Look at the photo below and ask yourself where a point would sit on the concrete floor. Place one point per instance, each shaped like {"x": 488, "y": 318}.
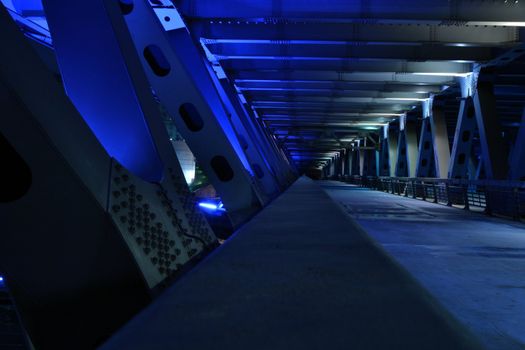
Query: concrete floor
{"x": 300, "y": 275}
{"x": 473, "y": 264}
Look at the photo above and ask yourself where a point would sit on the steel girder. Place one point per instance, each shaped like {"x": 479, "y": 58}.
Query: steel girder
{"x": 425, "y": 160}
{"x": 264, "y": 176}
{"x": 378, "y": 76}
{"x": 187, "y": 92}
{"x": 391, "y": 51}
{"x": 462, "y": 145}
{"x": 494, "y": 159}
{"x": 93, "y": 222}
{"x": 274, "y": 161}
{"x": 337, "y": 67}
{"x": 517, "y": 164}
{"x": 99, "y": 86}
{"x": 457, "y": 12}
{"x": 440, "y": 140}
{"x": 407, "y": 150}
{"x": 392, "y": 143}
{"x": 349, "y": 33}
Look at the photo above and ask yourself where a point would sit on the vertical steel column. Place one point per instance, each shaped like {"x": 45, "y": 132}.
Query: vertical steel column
{"x": 401, "y": 165}
{"x": 440, "y": 140}
{"x": 383, "y": 153}
{"x": 425, "y": 163}
{"x": 517, "y": 168}
{"x": 411, "y": 147}
{"x": 392, "y": 151}
{"x": 342, "y": 160}
{"x": 460, "y": 158}
{"x": 348, "y": 162}
{"x": 494, "y": 158}
{"x": 362, "y": 157}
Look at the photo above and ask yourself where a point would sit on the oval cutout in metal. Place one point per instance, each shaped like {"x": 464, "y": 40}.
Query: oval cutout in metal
{"x": 156, "y": 60}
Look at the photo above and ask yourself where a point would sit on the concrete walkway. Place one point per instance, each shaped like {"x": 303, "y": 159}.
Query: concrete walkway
{"x": 473, "y": 264}
{"x": 300, "y": 275}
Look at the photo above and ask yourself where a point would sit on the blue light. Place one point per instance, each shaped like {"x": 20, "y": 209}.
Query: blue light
{"x": 212, "y": 206}
{"x": 208, "y": 206}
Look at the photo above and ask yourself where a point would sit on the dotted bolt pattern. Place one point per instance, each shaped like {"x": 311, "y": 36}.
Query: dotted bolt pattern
{"x": 157, "y": 229}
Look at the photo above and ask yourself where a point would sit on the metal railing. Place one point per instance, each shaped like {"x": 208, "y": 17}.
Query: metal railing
{"x": 500, "y": 198}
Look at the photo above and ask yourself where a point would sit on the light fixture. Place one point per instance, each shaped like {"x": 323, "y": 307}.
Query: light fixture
{"x": 212, "y": 206}
{"x": 405, "y": 99}
{"x": 443, "y": 74}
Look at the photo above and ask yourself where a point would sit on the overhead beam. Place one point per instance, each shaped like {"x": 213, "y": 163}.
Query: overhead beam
{"x": 261, "y": 87}
{"x": 348, "y": 66}
{"x": 424, "y": 77}
{"x": 252, "y": 32}
{"x": 397, "y": 51}
{"x": 457, "y": 12}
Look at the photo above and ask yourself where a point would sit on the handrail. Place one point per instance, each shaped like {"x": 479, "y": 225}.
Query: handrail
{"x": 493, "y": 197}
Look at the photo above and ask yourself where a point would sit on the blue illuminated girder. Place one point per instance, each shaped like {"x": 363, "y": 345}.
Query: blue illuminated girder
{"x": 87, "y": 72}
{"x": 440, "y": 140}
{"x": 392, "y": 143}
{"x": 463, "y": 137}
{"x": 425, "y": 162}
{"x": 252, "y": 145}
{"x": 99, "y": 84}
{"x": 186, "y": 83}
{"x": 494, "y": 158}
{"x": 377, "y": 11}
{"x": 411, "y": 146}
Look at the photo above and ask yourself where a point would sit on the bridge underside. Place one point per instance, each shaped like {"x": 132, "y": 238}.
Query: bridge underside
{"x": 154, "y": 154}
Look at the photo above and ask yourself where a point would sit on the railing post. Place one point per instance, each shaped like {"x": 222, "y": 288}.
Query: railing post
{"x": 414, "y": 189}
{"x": 435, "y": 192}
{"x": 447, "y": 192}
{"x": 465, "y": 197}
{"x": 488, "y": 209}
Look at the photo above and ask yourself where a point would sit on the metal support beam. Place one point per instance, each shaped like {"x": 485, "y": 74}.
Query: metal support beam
{"x": 276, "y": 166}
{"x": 402, "y": 159}
{"x": 346, "y": 33}
{"x": 411, "y": 146}
{"x": 460, "y": 158}
{"x": 517, "y": 167}
{"x": 348, "y": 162}
{"x": 427, "y": 11}
{"x": 425, "y": 162}
{"x": 492, "y": 150}
{"x": 384, "y": 168}
{"x": 392, "y": 150}
{"x": 94, "y": 252}
{"x": 264, "y": 176}
{"x": 440, "y": 140}
{"x": 179, "y": 78}
{"x": 355, "y": 162}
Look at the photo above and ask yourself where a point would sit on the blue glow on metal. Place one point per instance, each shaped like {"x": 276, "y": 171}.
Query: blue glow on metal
{"x": 212, "y": 206}
{"x": 208, "y": 206}
{"x": 97, "y": 81}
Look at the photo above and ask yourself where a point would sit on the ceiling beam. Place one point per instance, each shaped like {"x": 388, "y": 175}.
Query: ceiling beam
{"x": 390, "y": 51}
{"x": 459, "y": 12}
{"x": 288, "y": 32}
